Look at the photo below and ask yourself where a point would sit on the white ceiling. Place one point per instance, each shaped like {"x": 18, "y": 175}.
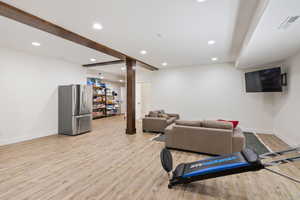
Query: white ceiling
{"x": 55, "y": 47}
{"x": 185, "y": 27}
{"x": 130, "y": 26}
{"x": 19, "y": 36}
{"x": 268, "y": 44}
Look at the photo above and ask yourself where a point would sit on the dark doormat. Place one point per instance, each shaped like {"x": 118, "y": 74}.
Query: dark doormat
{"x": 252, "y": 142}
{"x": 160, "y": 138}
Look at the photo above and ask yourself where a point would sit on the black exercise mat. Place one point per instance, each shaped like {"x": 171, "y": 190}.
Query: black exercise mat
{"x": 252, "y": 142}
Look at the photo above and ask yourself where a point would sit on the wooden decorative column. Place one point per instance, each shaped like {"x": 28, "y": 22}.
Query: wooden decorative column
{"x": 131, "y": 65}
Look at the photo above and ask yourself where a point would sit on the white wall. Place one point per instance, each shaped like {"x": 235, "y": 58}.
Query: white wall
{"x": 29, "y": 94}
{"x": 110, "y": 77}
{"x": 212, "y": 92}
{"x": 287, "y": 104}
{"x": 143, "y": 75}
{"x": 28, "y": 104}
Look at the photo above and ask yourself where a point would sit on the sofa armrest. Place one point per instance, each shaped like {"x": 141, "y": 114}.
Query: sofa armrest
{"x": 173, "y": 115}
{"x": 238, "y": 140}
{"x": 154, "y": 124}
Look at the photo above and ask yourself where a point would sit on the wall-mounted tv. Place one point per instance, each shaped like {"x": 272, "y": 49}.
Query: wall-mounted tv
{"x": 268, "y": 80}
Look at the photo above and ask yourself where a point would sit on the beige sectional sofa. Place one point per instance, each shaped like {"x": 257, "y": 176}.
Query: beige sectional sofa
{"x": 208, "y": 136}
{"x": 157, "y": 121}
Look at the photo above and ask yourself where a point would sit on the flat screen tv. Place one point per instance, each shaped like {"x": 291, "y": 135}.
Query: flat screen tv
{"x": 268, "y": 80}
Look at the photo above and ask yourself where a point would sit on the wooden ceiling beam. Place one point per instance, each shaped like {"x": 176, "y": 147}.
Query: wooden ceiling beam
{"x": 104, "y": 63}
{"x": 146, "y": 66}
{"x": 21, "y": 16}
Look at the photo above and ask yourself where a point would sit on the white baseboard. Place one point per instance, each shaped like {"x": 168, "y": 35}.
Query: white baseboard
{"x": 286, "y": 140}
{"x": 22, "y": 139}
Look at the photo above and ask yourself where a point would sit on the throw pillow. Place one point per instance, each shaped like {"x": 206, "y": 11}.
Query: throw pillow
{"x": 153, "y": 114}
{"x": 163, "y": 115}
{"x": 234, "y": 123}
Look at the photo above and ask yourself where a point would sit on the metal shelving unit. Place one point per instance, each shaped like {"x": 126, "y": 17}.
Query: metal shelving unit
{"x": 104, "y": 100}
{"x": 99, "y": 102}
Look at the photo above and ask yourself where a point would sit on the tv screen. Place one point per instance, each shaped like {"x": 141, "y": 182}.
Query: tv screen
{"x": 268, "y": 80}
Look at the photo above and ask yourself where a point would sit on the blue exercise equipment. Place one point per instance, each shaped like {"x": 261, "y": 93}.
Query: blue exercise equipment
{"x": 236, "y": 163}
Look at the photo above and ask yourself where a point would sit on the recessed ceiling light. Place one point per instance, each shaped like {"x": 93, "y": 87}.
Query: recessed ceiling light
{"x": 123, "y": 68}
{"x": 159, "y": 35}
{"x": 121, "y": 81}
{"x": 143, "y": 52}
{"x": 97, "y": 26}
{"x": 211, "y": 42}
{"x": 214, "y": 59}
{"x": 164, "y": 64}
{"x": 93, "y": 60}
{"x": 36, "y": 44}
{"x": 101, "y": 77}
{"x": 201, "y": 1}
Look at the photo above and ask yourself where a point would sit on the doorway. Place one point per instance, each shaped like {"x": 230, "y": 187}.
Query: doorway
{"x": 143, "y": 98}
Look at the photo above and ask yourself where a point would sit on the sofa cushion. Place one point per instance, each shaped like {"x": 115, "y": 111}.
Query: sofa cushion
{"x": 153, "y": 114}
{"x": 173, "y": 119}
{"x": 170, "y": 121}
{"x": 161, "y": 111}
{"x": 217, "y": 124}
{"x": 188, "y": 123}
{"x": 163, "y": 115}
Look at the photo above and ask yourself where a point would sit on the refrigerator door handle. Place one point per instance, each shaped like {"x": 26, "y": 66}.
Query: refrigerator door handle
{"x": 81, "y": 116}
{"x": 83, "y": 100}
{"x": 74, "y": 106}
{"x": 80, "y": 100}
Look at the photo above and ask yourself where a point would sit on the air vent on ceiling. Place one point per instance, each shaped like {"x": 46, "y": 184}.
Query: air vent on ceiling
{"x": 288, "y": 22}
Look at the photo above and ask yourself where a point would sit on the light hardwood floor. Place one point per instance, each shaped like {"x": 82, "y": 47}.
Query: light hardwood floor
{"x": 107, "y": 164}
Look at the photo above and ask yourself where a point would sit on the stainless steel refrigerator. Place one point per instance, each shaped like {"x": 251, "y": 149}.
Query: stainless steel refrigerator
{"x": 75, "y": 109}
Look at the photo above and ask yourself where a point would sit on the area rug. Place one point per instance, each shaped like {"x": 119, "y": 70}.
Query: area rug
{"x": 159, "y": 138}
{"x": 252, "y": 142}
